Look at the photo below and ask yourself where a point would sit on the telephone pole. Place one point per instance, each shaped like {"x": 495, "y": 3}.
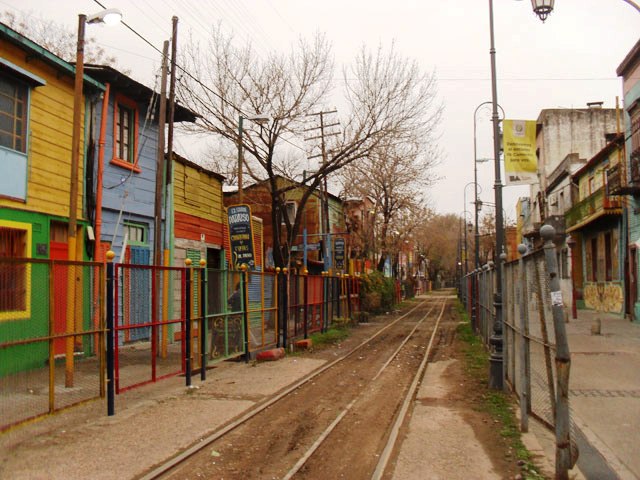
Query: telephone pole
{"x": 325, "y": 227}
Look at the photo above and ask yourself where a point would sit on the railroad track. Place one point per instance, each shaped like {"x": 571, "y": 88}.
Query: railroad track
{"x": 342, "y": 419}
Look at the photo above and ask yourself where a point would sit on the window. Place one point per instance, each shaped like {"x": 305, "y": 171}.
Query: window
{"x": 594, "y": 260}
{"x": 607, "y": 257}
{"x": 13, "y": 114}
{"x": 136, "y": 233}
{"x": 125, "y": 133}
{"x": 15, "y": 239}
{"x": 14, "y": 106}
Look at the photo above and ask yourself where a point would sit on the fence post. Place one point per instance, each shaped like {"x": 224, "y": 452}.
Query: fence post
{"x": 203, "y": 321}
{"x": 111, "y": 388}
{"x": 325, "y": 306}
{"x": 348, "y": 288}
{"x": 524, "y": 344}
{"x": 245, "y": 307}
{"x": 285, "y": 306}
{"x": 187, "y": 327}
{"x": 563, "y": 359}
{"x": 506, "y": 351}
{"x": 305, "y": 295}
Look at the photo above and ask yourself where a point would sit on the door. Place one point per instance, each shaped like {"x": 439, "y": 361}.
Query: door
{"x": 632, "y": 281}
{"x": 59, "y": 251}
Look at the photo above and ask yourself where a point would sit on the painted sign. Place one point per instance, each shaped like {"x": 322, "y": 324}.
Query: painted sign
{"x": 240, "y": 236}
{"x": 520, "y": 160}
{"x": 338, "y": 253}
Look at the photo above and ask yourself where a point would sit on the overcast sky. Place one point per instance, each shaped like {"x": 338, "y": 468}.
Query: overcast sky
{"x": 566, "y": 62}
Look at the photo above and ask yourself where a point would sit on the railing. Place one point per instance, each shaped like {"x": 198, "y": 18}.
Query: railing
{"x": 591, "y": 206}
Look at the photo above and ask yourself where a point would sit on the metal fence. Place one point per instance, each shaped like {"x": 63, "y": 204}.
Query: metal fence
{"x": 149, "y": 317}
{"x": 532, "y": 348}
{"x": 51, "y": 336}
{"x": 74, "y": 331}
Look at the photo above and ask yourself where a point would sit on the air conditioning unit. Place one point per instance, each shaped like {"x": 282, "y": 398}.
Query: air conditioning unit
{"x": 553, "y": 199}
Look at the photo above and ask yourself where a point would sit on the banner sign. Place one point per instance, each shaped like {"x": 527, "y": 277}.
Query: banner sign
{"x": 520, "y": 161}
{"x": 240, "y": 236}
{"x": 338, "y": 253}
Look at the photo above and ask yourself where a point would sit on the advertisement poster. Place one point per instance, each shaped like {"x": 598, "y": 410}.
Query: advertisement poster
{"x": 520, "y": 160}
{"x": 240, "y": 236}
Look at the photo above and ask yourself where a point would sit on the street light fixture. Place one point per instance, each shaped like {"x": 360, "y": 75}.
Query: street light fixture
{"x": 542, "y": 8}
{"x": 260, "y": 120}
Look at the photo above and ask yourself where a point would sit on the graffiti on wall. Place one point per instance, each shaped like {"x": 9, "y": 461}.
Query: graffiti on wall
{"x": 604, "y": 297}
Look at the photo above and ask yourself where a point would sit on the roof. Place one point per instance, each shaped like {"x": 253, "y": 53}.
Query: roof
{"x": 180, "y": 159}
{"x": 41, "y": 53}
{"x": 134, "y": 89}
{"x": 632, "y": 59}
{"x": 280, "y": 177}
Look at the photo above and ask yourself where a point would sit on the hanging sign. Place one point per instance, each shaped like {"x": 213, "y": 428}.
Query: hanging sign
{"x": 240, "y": 236}
{"x": 338, "y": 253}
{"x": 520, "y": 160}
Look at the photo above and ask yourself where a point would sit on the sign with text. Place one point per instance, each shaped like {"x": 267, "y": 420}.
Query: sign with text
{"x": 338, "y": 253}
{"x": 520, "y": 160}
{"x": 240, "y": 236}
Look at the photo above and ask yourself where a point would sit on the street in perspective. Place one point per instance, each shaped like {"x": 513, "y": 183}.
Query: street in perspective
{"x": 351, "y": 240}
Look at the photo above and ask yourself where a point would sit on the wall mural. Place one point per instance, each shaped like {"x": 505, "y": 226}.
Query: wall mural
{"x": 604, "y": 297}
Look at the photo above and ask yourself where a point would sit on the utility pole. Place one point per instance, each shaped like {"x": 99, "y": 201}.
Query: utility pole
{"x": 162, "y": 117}
{"x": 325, "y": 227}
{"x": 168, "y": 198}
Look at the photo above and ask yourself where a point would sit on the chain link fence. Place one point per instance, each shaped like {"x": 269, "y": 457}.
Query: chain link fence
{"x": 530, "y": 319}
{"x": 52, "y": 330}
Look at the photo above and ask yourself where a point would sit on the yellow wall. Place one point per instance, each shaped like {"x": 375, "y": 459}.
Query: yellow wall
{"x": 50, "y": 128}
{"x": 197, "y": 193}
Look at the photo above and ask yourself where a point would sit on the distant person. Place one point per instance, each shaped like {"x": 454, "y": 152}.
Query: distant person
{"x": 235, "y": 300}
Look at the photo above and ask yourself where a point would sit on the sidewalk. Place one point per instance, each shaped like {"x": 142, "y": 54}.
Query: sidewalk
{"x": 604, "y": 396}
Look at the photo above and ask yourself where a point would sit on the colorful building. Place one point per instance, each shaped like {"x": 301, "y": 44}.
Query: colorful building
{"x": 627, "y": 176}
{"x": 36, "y": 112}
{"x": 595, "y": 223}
{"x": 121, "y": 190}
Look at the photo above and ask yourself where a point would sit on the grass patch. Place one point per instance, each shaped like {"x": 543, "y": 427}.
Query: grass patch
{"x": 498, "y": 404}
{"x": 330, "y": 337}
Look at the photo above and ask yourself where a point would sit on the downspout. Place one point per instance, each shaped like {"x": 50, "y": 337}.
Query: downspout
{"x": 97, "y": 257}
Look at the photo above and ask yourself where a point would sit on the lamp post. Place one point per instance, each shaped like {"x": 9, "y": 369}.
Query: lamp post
{"x": 496, "y": 359}
{"x": 477, "y": 160}
{"x": 110, "y": 16}
{"x": 260, "y": 120}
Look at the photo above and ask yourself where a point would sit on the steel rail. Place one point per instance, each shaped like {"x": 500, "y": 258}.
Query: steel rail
{"x": 166, "y": 467}
{"x": 402, "y": 414}
{"x": 346, "y": 410}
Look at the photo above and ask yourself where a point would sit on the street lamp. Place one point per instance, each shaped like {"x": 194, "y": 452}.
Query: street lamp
{"x": 260, "y": 120}
{"x": 496, "y": 358}
{"x": 477, "y": 160}
{"x": 110, "y": 16}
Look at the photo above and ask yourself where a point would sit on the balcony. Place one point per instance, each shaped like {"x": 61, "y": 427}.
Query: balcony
{"x": 589, "y": 209}
{"x": 617, "y": 185}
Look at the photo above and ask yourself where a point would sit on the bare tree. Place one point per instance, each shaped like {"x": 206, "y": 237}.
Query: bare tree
{"x": 396, "y": 175}
{"x": 388, "y": 99}
{"x": 56, "y": 38}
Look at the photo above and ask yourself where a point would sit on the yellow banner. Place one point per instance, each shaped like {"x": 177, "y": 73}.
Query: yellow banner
{"x": 519, "y": 143}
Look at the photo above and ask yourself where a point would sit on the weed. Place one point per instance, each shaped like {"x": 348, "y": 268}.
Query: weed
{"x": 331, "y": 336}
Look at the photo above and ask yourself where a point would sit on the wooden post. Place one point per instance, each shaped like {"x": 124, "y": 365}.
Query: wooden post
{"x": 563, "y": 359}
{"x": 524, "y": 344}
